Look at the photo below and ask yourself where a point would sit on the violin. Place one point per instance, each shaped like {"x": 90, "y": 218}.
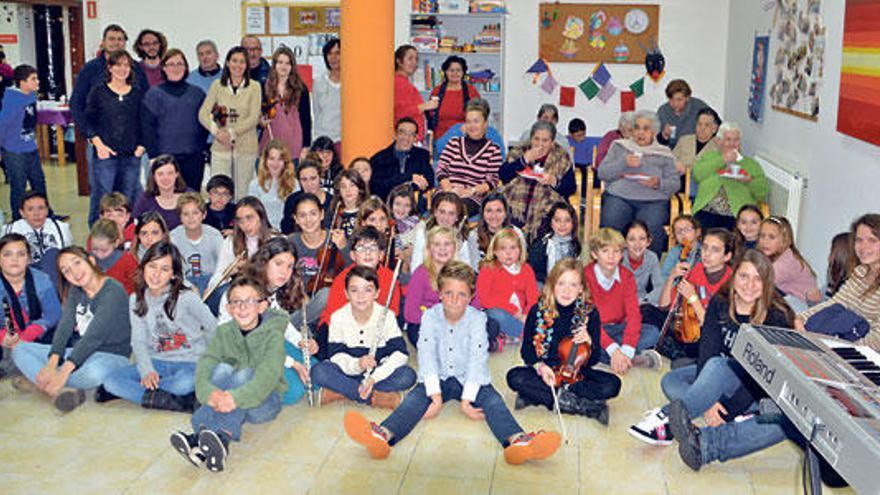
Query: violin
{"x": 573, "y": 356}
{"x": 223, "y": 115}
{"x": 682, "y": 318}
{"x": 328, "y": 253}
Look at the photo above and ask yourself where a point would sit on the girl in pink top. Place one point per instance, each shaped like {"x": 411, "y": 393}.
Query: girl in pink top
{"x": 793, "y": 274}
{"x": 286, "y": 108}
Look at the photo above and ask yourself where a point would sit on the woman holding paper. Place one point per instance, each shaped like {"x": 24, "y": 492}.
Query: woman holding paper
{"x": 640, "y": 177}
{"x": 536, "y": 176}
{"x": 726, "y": 181}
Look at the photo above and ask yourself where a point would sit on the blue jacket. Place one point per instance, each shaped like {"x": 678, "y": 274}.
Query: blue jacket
{"x": 51, "y": 306}
{"x": 18, "y": 119}
{"x": 203, "y": 80}
{"x": 170, "y": 119}
{"x": 91, "y": 75}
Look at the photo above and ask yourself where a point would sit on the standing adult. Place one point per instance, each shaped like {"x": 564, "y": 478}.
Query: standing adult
{"x": 640, "y": 177}
{"x": 407, "y": 100}
{"x": 468, "y": 165}
{"x": 327, "y": 99}
{"x": 401, "y": 162}
{"x": 453, "y": 96}
{"x": 94, "y": 74}
{"x": 258, "y": 68}
{"x": 18, "y": 122}
{"x": 287, "y": 111}
{"x": 231, "y": 112}
{"x": 113, "y": 126}
{"x": 150, "y": 46}
{"x": 692, "y": 147}
{"x": 678, "y": 116}
{"x": 170, "y": 119}
{"x": 208, "y": 70}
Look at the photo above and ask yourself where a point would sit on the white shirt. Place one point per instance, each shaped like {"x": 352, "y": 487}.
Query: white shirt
{"x": 606, "y": 282}
{"x": 327, "y": 108}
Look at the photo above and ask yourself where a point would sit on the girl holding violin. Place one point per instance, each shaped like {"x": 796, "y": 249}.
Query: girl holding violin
{"x": 351, "y": 192}
{"x": 322, "y": 254}
{"x": 693, "y": 285}
{"x": 561, "y": 346}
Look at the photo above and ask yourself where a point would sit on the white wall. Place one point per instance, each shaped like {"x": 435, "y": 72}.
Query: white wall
{"x": 21, "y": 24}
{"x": 842, "y": 171}
{"x": 693, "y": 38}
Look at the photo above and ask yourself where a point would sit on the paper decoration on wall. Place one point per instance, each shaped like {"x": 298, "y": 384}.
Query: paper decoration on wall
{"x": 655, "y": 64}
{"x": 603, "y": 36}
{"x": 549, "y": 84}
{"x": 601, "y": 75}
{"x": 566, "y": 96}
{"x": 799, "y": 58}
{"x": 758, "y": 78}
{"x": 627, "y": 101}
{"x": 859, "y": 101}
{"x": 607, "y": 92}
{"x": 636, "y": 21}
{"x": 589, "y": 88}
{"x": 638, "y": 87}
{"x": 574, "y": 29}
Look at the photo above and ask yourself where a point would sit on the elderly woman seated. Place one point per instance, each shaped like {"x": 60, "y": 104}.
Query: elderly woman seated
{"x": 624, "y": 131}
{"x": 536, "y": 176}
{"x": 727, "y": 181}
{"x": 640, "y": 177}
{"x": 692, "y": 147}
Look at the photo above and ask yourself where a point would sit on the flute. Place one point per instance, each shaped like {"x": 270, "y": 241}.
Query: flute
{"x": 307, "y": 359}
{"x": 381, "y": 326}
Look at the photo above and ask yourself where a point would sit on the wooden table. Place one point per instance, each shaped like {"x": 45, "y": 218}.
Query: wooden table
{"x": 58, "y": 117}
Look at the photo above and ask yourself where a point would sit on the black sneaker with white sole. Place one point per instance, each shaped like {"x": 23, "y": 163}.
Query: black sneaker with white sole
{"x": 187, "y": 445}
{"x": 214, "y": 448}
{"x": 653, "y": 428}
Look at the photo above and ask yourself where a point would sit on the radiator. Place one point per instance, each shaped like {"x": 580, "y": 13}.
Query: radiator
{"x": 786, "y": 190}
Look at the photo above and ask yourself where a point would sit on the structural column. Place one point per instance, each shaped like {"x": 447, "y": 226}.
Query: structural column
{"x": 367, "y": 36}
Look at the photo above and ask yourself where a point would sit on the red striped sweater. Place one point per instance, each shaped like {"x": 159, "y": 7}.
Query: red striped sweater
{"x": 469, "y": 171}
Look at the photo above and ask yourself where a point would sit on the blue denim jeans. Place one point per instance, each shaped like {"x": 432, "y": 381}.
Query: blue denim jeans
{"x": 617, "y": 212}
{"x": 121, "y": 174}
{"x": 328, "y": 375}
{"x": 225, "y": 377}
{"x": 647, "y": 338}
{"x": 31, "y": 357}
{"x": 410, "y": 412}
{"x": 715, "y": 381}
{"x": 22, "y": 168}
{"x": 296, "y": 389}
{"x": 740, "y": 438}
{"x": 178, "y": 378}
{"x": 506, "y": 322}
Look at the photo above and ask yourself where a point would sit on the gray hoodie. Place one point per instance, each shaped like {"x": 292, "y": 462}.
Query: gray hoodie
{"x": 182, "y": 339}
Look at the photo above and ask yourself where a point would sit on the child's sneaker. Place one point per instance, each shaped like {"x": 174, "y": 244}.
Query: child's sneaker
{"x": 187, "y": 445}
{"x": 327, "y": 396}
{"x": 69, "y": 399}
{"x": 368, "y": 434}
{"x": 653, "y": 428}
{"x": 385, "y": 400}
{"x": 532, "y": 446}
{"x": 214, "y": 448}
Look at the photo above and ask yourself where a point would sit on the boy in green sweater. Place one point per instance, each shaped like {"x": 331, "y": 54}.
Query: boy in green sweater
{"x": 239, "y": 378}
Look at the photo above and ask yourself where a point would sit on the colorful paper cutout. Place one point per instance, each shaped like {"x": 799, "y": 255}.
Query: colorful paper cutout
{"x": 549, "y": 84}
{"x": 589, "y": 88}
{"x": 627, "y": 101}
{"x": 574, "y": 29}
{"x": 607, "y": 92}
{"x": 621, "y": 52}
{"x": 615, "y": 27}
{"x": 566, "y": 96}
{"x": 539, "y": 67}
{"x": 638, "y": 87}
{"x": 601, "y": 74}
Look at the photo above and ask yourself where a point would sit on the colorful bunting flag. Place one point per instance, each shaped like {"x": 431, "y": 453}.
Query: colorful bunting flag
{"x": 566, "y": 96}
{"x": 589, "y": 88}
{"x": 627, "y": 101}
{"x": 539, "y": 67}
{"x": 601, "y": 75}
{"x": 638, "y": 87}
{"x": 607, "y": 92}
{"x": 549, "y": 84}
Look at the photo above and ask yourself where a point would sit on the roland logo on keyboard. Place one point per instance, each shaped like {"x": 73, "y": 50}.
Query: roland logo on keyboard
{"x": 753, "y": 358}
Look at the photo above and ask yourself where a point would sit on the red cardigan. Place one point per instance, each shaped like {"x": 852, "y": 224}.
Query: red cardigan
{"x": 406, "y": 103}
{"x": 337, "y": 299}
{"x": 495, "y": 285}
{"x": 618, "y": 305}
{"x": 124, "y": 270}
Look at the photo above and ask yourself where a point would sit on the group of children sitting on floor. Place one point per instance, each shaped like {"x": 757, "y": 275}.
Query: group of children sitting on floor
{"x": 227, "y": 318}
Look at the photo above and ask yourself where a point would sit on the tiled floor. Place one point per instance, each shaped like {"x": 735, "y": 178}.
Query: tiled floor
{"x": 121, "y": 448}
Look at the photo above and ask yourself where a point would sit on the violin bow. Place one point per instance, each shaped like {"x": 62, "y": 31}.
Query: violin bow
{"x": 559, "y": 414}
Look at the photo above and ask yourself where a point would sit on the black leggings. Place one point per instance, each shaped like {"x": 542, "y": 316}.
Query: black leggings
{"x": 594, "y": 384}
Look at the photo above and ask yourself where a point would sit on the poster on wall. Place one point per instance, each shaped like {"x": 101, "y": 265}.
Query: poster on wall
{"x": 758, "y": 78}
{"x": 597, "y": 32}
{"x": 859, "y": 99}
{"x": 799, "y": 58}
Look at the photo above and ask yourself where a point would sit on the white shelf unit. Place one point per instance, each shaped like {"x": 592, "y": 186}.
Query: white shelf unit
{"x": 465, "y": 27}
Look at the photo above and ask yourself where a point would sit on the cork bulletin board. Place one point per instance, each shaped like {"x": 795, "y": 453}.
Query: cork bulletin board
{"x": 600, "y": 32}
